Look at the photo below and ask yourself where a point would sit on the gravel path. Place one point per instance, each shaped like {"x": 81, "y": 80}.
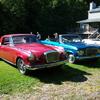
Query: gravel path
{"x": 65, "y": 91}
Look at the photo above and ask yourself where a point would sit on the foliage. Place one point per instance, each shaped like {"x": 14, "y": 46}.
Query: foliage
{"x": 45, "y": 16}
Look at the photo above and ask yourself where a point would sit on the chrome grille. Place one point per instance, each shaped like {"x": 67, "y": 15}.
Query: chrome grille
{"x": 52, "y": 56}
{"x": 91, "y": 51}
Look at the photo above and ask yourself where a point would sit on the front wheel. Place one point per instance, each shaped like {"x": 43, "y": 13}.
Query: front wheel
{"x": 21, "y": 66}
{"x": 71, "y": 58}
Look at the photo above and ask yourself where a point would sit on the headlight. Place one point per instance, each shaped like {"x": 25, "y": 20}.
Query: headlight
{"x": 31, "y": 57}
{"x": 80, "y": 52}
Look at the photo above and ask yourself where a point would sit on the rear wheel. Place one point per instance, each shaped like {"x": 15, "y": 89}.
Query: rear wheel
{"x": 21, "y": 66}
{"x": 71, "y": 58}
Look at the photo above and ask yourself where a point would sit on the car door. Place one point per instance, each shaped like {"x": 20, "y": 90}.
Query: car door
{"x": 5, "y": 49}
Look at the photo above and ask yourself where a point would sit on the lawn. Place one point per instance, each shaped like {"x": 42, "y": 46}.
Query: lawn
{"x": 12, "y": 81}
{"x": 72, "y": 82}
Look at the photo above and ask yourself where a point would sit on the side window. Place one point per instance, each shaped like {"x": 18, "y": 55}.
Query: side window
{"x": 5, "y": 41}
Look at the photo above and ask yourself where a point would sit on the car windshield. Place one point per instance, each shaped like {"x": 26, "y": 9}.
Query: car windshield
{"x": 22, "y": 39}
{"x": 70, "y": 38}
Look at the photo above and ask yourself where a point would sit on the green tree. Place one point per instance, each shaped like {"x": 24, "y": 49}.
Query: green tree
{"x": 45, "y": 16}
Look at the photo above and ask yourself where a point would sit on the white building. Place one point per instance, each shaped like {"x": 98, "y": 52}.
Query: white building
{"x": 93, "y": 21}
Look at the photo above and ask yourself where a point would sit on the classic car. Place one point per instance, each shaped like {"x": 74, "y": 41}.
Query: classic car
{"x": 24, "y": 51}
{"x": 92, "y": 41}
{"x": 74, "y": 47}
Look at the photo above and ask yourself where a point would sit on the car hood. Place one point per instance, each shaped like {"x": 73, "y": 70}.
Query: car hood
{"x": 35, "y": 48}
{"x": 80, "y": 45}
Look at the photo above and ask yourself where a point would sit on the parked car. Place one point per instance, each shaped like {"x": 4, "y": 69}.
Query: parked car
{"x": 74, "y": 47}
{"x": 89, "y": 38}
{"x": 92, "y": 41}
{"x": 24, "y": 51}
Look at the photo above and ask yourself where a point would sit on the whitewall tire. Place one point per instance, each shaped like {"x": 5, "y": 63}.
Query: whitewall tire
{"x": 71, "y": 58}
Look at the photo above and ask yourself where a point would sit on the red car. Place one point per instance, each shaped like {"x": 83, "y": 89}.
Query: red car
{"x": 24, "y": 51}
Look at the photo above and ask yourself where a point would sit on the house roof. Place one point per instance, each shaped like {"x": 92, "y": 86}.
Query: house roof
{"x": 89, "y": 20}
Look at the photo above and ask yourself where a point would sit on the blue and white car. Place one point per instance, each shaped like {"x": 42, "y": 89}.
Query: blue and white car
{"x": 75, "y": 48}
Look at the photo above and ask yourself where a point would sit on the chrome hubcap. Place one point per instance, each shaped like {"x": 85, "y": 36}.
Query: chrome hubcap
{"x": 21, "y": 66}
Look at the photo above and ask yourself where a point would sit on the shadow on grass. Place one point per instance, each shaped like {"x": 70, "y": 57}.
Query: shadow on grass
{"x": 92, "y": 63}
{"x": 59, "y": 75}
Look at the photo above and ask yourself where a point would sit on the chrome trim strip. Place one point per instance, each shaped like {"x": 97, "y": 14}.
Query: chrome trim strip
{"x": 8, "y": 61}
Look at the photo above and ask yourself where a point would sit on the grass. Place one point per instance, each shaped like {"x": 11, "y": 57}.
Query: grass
{"x": 12, "y": 81}
{"x": 82, "y": 78}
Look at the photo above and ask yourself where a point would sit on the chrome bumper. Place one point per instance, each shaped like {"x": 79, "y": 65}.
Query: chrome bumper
{"x": 45, "y": 65}
{"x": 87, "y": 57}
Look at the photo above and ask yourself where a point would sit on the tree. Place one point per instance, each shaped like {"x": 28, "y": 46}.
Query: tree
{"x": 46, "y": 16}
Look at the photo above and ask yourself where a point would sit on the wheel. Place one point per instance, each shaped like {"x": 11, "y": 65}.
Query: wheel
{"x": 71, "y": 58}
{"x": 21, "y": 66}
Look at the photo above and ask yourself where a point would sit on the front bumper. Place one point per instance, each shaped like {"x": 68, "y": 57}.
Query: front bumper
{"x": 33, "y": 67}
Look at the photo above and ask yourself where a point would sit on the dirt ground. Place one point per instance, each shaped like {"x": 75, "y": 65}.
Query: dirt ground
{"x": 88, "y": 90}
